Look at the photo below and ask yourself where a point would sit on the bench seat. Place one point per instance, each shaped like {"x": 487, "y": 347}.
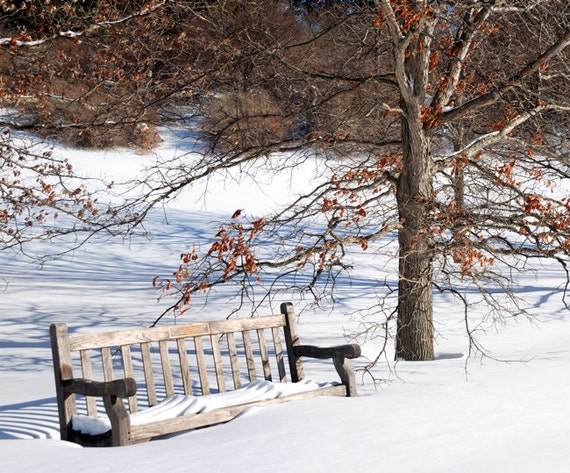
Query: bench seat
{"x": 182, "y": 405}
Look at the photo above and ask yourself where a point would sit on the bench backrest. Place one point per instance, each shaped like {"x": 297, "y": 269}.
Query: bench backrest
{"x": 199, "y": 358}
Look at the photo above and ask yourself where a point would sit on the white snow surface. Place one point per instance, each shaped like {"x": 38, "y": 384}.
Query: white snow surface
{"x": 455, "y": 414}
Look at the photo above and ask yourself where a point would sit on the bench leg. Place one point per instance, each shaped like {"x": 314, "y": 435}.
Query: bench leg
{"x": 120, "y": 420}
{"x": 346, "y": 374}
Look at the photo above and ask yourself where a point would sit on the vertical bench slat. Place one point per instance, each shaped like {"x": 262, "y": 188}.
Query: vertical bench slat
{"x": 279, "y": 354}
{"x": 249, "y": 356}
{"x": 234, "y": 359}
{"x": 62, "y": 369}
{"x": 218, "y": 366}
{"x": 184, "y": 366}
{"x": 148, "y": 374}
{"x": 201, "y": 363}
{"x": 87, "y": 370}
{"x": 107, "y": 363}
{"x": 166, "y": 367}
{"x": 127, "y": 358}
{"x": 291, "y": 340}
{"x": 264, "y": 355}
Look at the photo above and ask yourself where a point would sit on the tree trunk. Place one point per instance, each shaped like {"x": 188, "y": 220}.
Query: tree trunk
{"x": 414, "y": 336}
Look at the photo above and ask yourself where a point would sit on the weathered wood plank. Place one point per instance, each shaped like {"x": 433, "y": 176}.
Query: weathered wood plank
{"x": 220, "y": 327}
{"x": 87, "y": 370}
{"x": 230, "y": 337}
{"x": 184, "y": 365}
{"x": 148, "y": 374}
{"x": 155, "y": 334}
{"x": 218, "y": 365}
{"x": 276, "y": 334}
{"x": 62, "y": 369}
{"x": 136, "y": 336}
{"x": 120, "y": 420}
{"x": 292, "y": 340}
{"x": 127, "y": 358}
{"x": 249, "y": 359}
{"x": 107, "y": 362}
{"x": 202, "y": 367}
{"x": 346, "y": 374}
{"x": 264, "y": 354}
{"x": 341, "y": 351}
{"x": 118, "y": 387}
{"x": 166, "y": 367}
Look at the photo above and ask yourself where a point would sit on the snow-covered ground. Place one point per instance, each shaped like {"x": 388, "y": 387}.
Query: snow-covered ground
{"x": 451, "y": 415}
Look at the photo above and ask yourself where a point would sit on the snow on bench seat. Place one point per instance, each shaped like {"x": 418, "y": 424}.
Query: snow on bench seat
{"x": 180, "y": 404}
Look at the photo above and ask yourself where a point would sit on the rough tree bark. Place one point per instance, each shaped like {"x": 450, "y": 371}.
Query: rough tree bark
{"x": 414, "y": 335}
{"x": 414, "y": 190}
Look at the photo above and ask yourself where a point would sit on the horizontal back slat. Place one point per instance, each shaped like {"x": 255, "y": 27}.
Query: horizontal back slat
{"x": 173, "y": 332}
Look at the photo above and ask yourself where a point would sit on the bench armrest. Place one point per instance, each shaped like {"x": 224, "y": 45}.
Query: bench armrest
{"x": 119, "y": 387}
{"x": 342, "y": 351}
{"x": 340, "y": 356}
{"x": 112, "y": 393}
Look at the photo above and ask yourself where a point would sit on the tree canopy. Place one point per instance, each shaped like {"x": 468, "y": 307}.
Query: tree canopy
{"x": 442, "y": 125}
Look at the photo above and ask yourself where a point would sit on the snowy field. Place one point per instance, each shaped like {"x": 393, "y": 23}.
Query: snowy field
{"x": 456, "y": 414}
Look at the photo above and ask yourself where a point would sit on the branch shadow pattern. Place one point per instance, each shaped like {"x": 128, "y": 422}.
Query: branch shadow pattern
{"x": 30, "y": 420}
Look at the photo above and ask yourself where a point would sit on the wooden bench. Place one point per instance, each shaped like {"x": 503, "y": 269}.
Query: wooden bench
{"x": 122, "y": 370}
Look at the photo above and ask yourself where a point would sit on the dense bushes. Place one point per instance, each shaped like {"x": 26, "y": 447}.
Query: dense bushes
{"x": 107, "y": 87}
